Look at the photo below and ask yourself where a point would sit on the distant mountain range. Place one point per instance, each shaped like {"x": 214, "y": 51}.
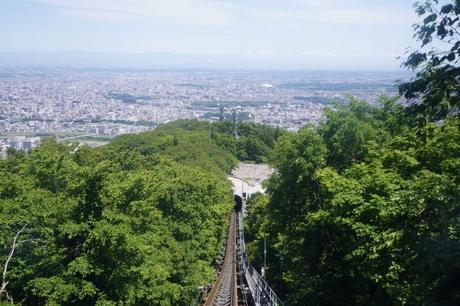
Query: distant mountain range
{"x": 83, "y": 59}
{"x": 104, "y": 60}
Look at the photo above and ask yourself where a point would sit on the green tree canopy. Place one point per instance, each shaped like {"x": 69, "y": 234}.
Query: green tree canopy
{"x": 137, "y": 222}
{"x": 363, "y": 211}
{"x": 434, "y": 93}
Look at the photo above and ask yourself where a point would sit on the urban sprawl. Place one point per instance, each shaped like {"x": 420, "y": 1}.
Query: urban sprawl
{"x": 95, "y": 105}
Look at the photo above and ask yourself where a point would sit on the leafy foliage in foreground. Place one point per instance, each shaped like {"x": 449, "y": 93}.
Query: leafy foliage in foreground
{"x": 435, "y": 91}
{"x": 136, "y": 222}
{"x": 128, "y": 224}
{"x": 363, "y": 210}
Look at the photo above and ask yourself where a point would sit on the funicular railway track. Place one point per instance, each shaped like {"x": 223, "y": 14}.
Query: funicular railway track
{"x": 238, "y": 283}
{"x": 224, "y": 291}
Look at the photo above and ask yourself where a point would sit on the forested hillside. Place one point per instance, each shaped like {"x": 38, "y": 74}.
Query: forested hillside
{"x": 104, "y": 227}
{"x": 363, "y": 210}
{"x": 196, "y": 143}
{"x": 136, "y": 222}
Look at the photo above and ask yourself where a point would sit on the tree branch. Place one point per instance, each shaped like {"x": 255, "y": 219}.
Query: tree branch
{"x": 5, "y": 267}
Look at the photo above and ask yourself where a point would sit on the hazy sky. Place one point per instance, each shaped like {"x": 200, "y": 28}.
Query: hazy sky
{"x": 286, "y": 33}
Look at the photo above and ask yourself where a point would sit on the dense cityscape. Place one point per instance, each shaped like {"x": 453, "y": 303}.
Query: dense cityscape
{"x": 95, "y": 105}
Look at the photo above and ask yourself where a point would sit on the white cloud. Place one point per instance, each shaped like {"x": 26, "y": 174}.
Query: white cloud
{"x": 296, "y": 13}
{"x": 103, "y": 16}
{"x": 200, "y": 12}
{"x": 363, "y": 16}
{"x": 320, "y": 13}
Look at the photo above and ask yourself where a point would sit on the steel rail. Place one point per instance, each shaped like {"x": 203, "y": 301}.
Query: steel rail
{"x": 224, "y": 291}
